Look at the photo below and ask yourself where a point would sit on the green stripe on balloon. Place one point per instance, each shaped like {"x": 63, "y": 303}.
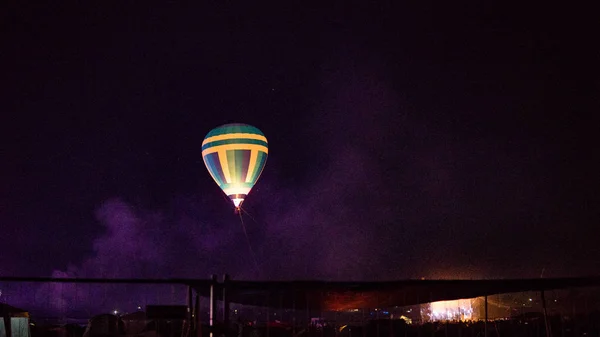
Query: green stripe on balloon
{"x": 234, "y": 141}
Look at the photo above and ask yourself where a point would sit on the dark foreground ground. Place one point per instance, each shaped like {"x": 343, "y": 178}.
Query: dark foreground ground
{"x": 588, "y": 325}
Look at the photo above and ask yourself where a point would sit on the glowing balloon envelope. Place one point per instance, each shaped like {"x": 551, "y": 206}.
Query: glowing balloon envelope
{"x": 235, "y": 155}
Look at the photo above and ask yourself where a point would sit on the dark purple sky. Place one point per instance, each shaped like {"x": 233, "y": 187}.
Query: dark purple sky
{"x": 428, "y": 141}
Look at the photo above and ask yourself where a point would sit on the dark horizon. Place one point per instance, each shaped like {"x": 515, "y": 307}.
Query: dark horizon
{"x": 62, "y": 298}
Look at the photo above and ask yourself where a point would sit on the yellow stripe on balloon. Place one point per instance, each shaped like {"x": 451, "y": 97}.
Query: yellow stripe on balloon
{"x": 234, "y": 136}
{"x": 224, "y": 164}
{"x": 251, "y": 165}
{"x": 219, "y": 148}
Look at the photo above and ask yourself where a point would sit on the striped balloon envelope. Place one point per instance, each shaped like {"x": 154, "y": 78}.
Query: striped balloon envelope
{"x": 235, "y": 155}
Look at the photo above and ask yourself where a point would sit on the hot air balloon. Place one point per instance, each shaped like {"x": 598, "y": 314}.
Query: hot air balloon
{"x": 235, "y": 155}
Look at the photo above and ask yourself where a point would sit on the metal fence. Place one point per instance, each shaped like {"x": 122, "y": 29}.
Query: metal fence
{"x": 177, "y": 307}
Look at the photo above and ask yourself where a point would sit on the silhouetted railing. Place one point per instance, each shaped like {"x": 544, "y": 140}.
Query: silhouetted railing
{"x": 65, "y": 307}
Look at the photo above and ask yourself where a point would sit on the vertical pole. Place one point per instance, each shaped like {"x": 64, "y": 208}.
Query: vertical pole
{"x": 391, "y": 334}
{"x": 321, "y": 320}
{"x": 268, "y": 315}
{"x": 364, "y": 322}
{"x": 7, "y": 326}
{"x": 485, "y": 323}
{"x": 420, "y": 316}
{"x": 548, "y": 332}
{"x": 213, "y": 305}
{"x": 190, "y": 306}
{"x": 198, "y": 316}
{"x": 308, "y": 325}
{"x": 453, "y": 318}
{"x": 377, "y": 316}
{"x": 294, "y": 312}
{"x": 573, "y": 296}
{"x": 225, "y": 305}
{"x": 190, "y": 312}
{"x": 430, "y": 301}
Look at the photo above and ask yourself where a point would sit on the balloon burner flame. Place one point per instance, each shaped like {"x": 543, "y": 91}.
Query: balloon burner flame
{"x": 237, "y": 202}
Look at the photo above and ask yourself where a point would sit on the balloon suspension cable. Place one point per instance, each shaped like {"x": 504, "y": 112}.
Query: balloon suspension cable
{"x": 248, "y": 241}
{"x": 248, "y": 214}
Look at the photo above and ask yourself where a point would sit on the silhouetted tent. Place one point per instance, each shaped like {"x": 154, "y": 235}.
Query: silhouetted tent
{"x": 135, "y": 322}
{"x": 65, "y": 330}
{"x": 166, "y": 320}
{"x": 333, "y": 296}
{"x": 104, "y": 325}
{"x": 14, "y": 320}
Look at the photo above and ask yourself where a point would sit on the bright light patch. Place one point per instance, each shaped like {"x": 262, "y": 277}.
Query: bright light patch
{"x": 237, "y": 202}
{"x": 457, "y": 310}
{"x": 237, "y": 190}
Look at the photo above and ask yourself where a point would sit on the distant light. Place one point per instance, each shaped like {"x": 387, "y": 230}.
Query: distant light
{"x": 139, "y": 308}
{"x": 116, "y": 312}
{"x": 530, "y": 300}
{"x": 554, "y": 300}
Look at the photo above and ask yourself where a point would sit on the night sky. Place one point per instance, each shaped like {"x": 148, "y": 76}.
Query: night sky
{"x": 452, "y": 141}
